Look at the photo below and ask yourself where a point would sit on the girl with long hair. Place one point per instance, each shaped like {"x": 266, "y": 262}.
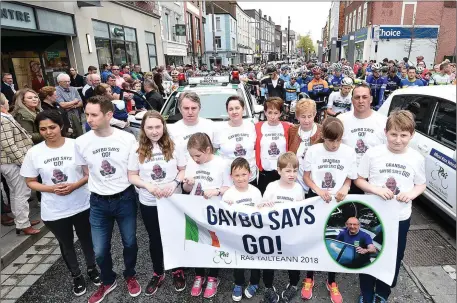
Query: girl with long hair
{"x": 208, "y": 176}
{"x": 27, "y": 106}
{"x": 156, "y": 166}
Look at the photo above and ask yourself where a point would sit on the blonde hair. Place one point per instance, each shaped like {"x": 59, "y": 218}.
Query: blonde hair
{"x": 145, "y": 145}
{"x": 2, "y": 99}
{"x": 19, "y": 101}
{"x": 288, "y": 158}
{"x": 401, "y": 120}
{"x": 305, "y": 105}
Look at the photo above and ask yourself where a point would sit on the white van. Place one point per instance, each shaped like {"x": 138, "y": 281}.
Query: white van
{"x": 435, "y": 138}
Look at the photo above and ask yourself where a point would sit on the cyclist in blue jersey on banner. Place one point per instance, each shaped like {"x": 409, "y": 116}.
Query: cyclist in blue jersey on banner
{"x": 377, "y": 85}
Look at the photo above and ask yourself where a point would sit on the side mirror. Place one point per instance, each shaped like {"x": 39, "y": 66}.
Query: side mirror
{"x": 258, "y": 109}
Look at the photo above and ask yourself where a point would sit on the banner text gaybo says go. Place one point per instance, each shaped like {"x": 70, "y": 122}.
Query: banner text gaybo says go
{"x": 298, "y": 235}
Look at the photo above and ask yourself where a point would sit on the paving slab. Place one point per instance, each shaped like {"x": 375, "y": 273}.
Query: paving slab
{"x": 444, "y": 298}
{"x": 435, "y": 280}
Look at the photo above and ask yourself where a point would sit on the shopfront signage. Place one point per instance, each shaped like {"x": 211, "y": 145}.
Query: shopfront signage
{"x": 407, "y": 32}
{"x": 345, "y": 40}
{"x": 52, "y": 54}
{"x": 361, "y": 35}
{"x": 17, "y": 16}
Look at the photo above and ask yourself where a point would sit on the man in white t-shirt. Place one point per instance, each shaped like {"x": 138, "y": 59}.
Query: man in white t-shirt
{"x": 363, "y": 127}
{"x": 189, "y": 105}
{"x": 103, "y": 152}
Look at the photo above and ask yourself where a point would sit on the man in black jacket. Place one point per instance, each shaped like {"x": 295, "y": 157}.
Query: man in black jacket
{"x": 9, "y": 89}
{"x": 154, "y": 99}
{"x": 274, "y": 84}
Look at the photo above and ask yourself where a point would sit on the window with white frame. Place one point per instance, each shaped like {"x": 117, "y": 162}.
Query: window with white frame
{"x": 151, "y": 46}
{"x": 167, "y": 26}
{"x": 364, "y": 16}
{"x": 218, "y": 23}
{"x": 346, "y": 24}
{"x": 354, "y": 17}
{"x": 233, "y": 43}
{"x": 218, "y": 42}
{"x": 359, "y": 18}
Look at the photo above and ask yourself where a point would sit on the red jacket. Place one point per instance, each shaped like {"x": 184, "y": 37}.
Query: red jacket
{"x": 258, "y": 128}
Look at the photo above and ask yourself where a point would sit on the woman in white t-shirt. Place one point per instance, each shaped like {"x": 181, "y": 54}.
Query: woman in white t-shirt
{"x": 329, "y": 169}
{"x": 208, "y": 176}
{"x": 156, "y": 166}
{"x": 65, "y": 196}
{"x": 236, "y": 138}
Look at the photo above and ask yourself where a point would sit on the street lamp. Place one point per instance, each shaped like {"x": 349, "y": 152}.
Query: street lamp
{"x": 308, "y": 53}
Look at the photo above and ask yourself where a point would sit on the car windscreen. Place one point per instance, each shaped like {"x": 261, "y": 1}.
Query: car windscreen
{"x": 212, "y": 105}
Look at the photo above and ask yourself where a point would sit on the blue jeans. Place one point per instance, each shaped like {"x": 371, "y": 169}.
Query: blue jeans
{"x": 369, "y": 284}
{"x": 104, "y": 211}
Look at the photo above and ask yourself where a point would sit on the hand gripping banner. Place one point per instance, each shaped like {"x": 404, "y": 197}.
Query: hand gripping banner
{"x": 358, "y": 235}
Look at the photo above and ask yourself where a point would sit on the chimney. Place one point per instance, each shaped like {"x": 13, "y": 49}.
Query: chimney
{"x": 260, "y": 12}
{"x": 269, "y": 18}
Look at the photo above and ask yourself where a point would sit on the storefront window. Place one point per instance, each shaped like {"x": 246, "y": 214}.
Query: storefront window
{"x": 115, "y": 44}
{"x": 152, "y": 51}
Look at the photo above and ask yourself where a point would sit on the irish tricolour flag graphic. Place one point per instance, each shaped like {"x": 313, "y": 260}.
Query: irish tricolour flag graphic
{"x": 199, "y": 234}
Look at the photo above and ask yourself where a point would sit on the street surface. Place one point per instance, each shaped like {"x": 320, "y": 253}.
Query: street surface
{"x": 55, "y": 285}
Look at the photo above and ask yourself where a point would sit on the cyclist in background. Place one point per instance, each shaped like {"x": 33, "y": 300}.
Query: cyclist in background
{"x": 334, "y": 81}
{"x": 285, "y": 74}
{"x": 411, "y": 80}
{"x": 377, "y": 85}
{"x": 318, "y": 91}
{"x": 341, "y": 101}
{"x": 393, "y": 81}
{"x": 303, "y": 81}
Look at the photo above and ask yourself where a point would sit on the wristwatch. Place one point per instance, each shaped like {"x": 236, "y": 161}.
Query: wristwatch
{"x": 219, "y": 191}
{"x": 177, "y": 182}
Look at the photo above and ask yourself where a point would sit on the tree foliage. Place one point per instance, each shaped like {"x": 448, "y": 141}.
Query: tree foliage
{"x": 306, "y": 42}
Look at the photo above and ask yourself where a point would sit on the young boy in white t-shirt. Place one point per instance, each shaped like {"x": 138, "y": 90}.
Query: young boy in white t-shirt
{"x": 286, "y": 189}
{"x": 243, "y": 193}
{"x": 394, "y": 172}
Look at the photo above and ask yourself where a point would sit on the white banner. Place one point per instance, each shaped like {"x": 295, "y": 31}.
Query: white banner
{"x": 306, "y": 235}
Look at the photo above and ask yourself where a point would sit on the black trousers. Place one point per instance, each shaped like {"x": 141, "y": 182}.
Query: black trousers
{"x": 213, "y": 272}
{"x": 7, "y": 191}
{"x": 238, "y": 273}
{"x": 63, "y": 230}
{"x": 151, "y": 222}
{"x": 265, "y": 177}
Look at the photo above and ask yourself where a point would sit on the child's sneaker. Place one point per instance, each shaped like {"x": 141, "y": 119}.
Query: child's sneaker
{"x": 211, "y": 287}
{"x": 271, "y": 296}
{"x": 179, "y": 281}
{"x": 335, "y": 295}
{"x": 237, "y": 293}
{"x": 251, "y": 290}
{"x": 154, "y": 284}
{"x": 307, "y": 290}
{"x": 197, "y": 287}
{"x": 289, "y": 293}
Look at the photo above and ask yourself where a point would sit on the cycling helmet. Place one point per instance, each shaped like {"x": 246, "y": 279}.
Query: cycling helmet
{"x": 419, "y": 70}
{"x": 174, "y": 73}
{"x": 337, "y": 67}
{"x": 376, "y": 67}
{"x": 293, "y": 76}
{"x": 316, "y": 70}
{"x": 270, "y": 69}
{"x": 346, "y": 81}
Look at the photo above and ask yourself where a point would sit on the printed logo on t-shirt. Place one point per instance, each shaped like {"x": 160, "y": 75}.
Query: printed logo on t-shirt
{"x": 273, "y": 150}
{"x": 239, "y": 151}
{"x": 58, "y": 176}
{"x": 328, "y": 181}
{"x": 198, "y": 190}
{"x": 107, "y": 169}
{"x": 158, "y": 173}
{"x": 391, "y": 184}
{"x": 361, "y": 148}
{"x": 245, "y": 201}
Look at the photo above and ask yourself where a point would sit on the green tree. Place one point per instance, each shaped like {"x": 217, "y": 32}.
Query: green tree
{"x": 306, "y": 42}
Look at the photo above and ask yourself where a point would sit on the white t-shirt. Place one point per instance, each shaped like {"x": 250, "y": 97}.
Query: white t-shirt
{"x": 55, "y": 166}
{"x": 399, "y": 172}
{"x": 180, "y": 132}
{"x": 277, "y": 194}
{"x": 107, "y": 160}
{"x": 301, "y": 152}
{"x": 211, "y": 175}
{"x": 234, "y": 142}
{"x": 328, "y": 169}
{"x": 272, "y": 145}
{"x": 155, "y": 170}
{"x": 363, "y": 134}
{"x": 338, "y": 103}
{"x": 439, "y": 79}
{"x": 251, "y": 197}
